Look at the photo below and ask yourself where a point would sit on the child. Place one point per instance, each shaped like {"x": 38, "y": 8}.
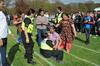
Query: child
{"x": 88, "y": 23}
{"x": 54, "y": 37}
{"x": 67, "y": 33}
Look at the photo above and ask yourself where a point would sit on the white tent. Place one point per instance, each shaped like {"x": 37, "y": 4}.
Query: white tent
{"x": 97, "y": 9}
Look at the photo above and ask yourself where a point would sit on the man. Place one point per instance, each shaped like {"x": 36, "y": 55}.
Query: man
{"x": 3, "y": 34}
{"x": 58, "y": 18}
{"x": 98, "y": 23}
{"x": 88, "y": 23}
{"x": 31, "y": 15}
{"x": 78, "y": 21}
{"x": 26, "y": 35}
{"x": 58, "y": 15}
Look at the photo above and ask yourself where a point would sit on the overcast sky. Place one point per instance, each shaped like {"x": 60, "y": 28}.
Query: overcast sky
{"x": 76, "y": 1}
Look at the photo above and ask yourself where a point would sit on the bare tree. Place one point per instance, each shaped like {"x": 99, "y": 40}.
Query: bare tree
{"x": 21, "y": 6}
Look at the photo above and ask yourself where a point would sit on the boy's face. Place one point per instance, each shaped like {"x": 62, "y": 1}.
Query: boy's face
{"x": 2, "y": 5}
{"x": 88, "y": 14}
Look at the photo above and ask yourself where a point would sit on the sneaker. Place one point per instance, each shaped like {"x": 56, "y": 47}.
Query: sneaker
{"x": 32, "y": 62}
{"x": 60, "y": 62}
{"x": 53, "y": 58}
{"x": 90, "y": 35}
{"x": 94, "y": 37}
{"x": 25, "y": 57}
{"x": 87, "y": 42}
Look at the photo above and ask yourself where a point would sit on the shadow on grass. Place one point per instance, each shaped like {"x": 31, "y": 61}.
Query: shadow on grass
{"x": 83, "y": 41}
{"x": 12, "y": 53}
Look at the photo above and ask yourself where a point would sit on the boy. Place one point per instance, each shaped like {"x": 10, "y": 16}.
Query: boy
{"x": 88, "y": 23}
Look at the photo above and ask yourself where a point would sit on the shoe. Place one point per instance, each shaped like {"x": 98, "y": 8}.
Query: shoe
{"x": 87, "y": 42}
{"x": 94, "y": 37}
{"x": 25, "y": 57}
{"x": 53, "y": 58}
{"x": 32, "y": 62}
{"x": 60, "y": 62}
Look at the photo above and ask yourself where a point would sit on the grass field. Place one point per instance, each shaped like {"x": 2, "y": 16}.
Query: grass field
{"x": 81, "y": 54}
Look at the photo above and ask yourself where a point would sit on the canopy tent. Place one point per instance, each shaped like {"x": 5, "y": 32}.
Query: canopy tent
{"x": 97, "y": 9}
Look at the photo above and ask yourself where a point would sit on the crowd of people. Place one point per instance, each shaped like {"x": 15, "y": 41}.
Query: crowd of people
{"x": 53, "y": 33}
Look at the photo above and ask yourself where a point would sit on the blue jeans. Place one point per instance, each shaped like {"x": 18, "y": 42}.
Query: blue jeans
{"x": 0, "y": 60}
{"x": 3, "y": 52}
{"x": 87, "y": 32}
{"x": 40, "y": 33}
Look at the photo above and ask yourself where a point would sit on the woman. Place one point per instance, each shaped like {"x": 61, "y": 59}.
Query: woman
{"x": 67, "y": 33}
{"x": 17, "y": 21}
{"x": 54, "y": 37}
{"x": 41, "y": 23}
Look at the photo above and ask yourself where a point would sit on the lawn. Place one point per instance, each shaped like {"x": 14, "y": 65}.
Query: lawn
{"x": 81, "y": 54}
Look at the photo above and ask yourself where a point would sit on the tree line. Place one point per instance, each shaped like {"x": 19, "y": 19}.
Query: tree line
{"x": 22, "y": 5}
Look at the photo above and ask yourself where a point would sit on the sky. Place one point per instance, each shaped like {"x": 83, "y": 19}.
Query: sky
{"x": 64, "y": 1}
{"x": 76, "y": 1}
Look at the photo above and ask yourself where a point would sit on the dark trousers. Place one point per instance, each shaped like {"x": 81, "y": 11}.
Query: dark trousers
{"x": 98, "y": 27}
{"x": 58, "y": 29}
{"x": 3, "y": 52}
{"x": 98, "y": 30}
{"x": 78, "y": 27}
{"x": 58, "y": 54}
{"x": 93, "y": 32}
{"x": 87, "y": 32}
{"x": 40, "y": 34}
{"x": 28, "y": 46}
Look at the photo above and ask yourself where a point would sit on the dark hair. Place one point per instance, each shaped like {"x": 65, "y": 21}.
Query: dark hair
{"x": 45, "y": 35}
{"x": 40, "y": 10}
{"x": 30, "y": 11}
{"x": 53, "y": 27}
{"x": 65, "y": 14}
{"x": 59, "y": 8}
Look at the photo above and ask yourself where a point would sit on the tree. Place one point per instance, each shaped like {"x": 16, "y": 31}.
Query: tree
{"x": 21, "y": 6}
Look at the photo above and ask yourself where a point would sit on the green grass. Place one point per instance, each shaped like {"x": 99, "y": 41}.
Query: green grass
{"x": 88, "y": 55}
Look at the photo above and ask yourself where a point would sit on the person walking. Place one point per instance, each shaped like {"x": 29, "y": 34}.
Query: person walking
{"x": 68, "y": 32}
{"x": 26, "y": 35}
